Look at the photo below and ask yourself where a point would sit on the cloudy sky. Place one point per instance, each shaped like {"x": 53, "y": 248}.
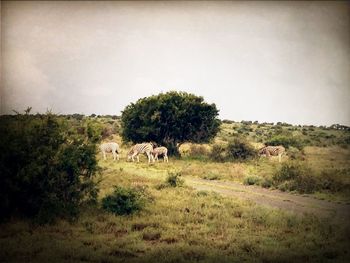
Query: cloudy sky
{"x": 266, "y": 61}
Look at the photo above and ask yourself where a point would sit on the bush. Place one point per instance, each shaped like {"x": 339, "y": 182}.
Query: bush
{"x": 198, "y": 151}
{"x": 169, "y": 119}
{"x": 331, "y": 180}
{"x": 174, "y": 179}
{"x": 94, "y": 131}
{"x": 211, "y": 176}
{"x": 253, "y": 179}
{"x": 266, "y": 182}
{"x": 293, "y": 176}
{"x": 44, "y": 173}
{"x": 218, "y": 153}
{"x": 240, "y": 149}
{"x": 286, "y": 141}
{"x": 124, "y": 201}
{"x": 295, "y": 154}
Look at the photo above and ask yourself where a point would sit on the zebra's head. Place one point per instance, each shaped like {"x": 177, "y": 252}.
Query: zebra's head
{"x": 130, "y": 153}
{"x": 154, "y": 144}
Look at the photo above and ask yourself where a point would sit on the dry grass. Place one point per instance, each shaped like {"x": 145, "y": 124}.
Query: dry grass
{"x": 177, "y": 225}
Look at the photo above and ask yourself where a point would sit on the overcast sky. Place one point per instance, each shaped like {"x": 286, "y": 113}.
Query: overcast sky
{"x": 266, "y": 61}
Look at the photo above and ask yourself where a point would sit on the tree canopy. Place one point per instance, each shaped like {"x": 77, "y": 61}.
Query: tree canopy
{"x": 170, "y": 118}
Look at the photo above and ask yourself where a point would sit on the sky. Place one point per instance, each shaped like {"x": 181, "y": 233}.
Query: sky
{"x": 266, "y": 61}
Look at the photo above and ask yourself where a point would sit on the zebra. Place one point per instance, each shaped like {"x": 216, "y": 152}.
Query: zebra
{"x": 161, "y": 151}
{"x": 108, "y": 147}
{"x": 146, "y": 148}
{"x": 272, "y": 151}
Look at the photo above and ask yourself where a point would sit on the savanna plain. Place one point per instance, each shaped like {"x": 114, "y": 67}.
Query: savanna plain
{"x": 197, "y": 207}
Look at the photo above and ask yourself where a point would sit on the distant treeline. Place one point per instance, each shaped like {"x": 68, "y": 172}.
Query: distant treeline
{"x": 333, "y": 126}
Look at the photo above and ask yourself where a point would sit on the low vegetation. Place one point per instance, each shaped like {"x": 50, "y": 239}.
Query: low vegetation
{"x": 124, "y": 201}
{"x": 45, "y": 173}
{"x": 121, "y": 211}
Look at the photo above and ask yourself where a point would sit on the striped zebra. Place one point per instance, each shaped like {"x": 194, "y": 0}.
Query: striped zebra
{"x": 161, "y": 151}
{"x": 108, "y": 147}
{"x": 272, "y": 151}
{"x": 146, "y": 148}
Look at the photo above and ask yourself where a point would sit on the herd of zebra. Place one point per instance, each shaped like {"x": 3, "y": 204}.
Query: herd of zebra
{"x": 137, "y": 149}
{"x": 153, "y": 152}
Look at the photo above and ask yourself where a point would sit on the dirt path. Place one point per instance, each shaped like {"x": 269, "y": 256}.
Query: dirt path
{"x": 274, "y": 198}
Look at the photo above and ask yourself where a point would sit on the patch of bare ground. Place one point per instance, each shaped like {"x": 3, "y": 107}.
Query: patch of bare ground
{"x": 300, "y": 204}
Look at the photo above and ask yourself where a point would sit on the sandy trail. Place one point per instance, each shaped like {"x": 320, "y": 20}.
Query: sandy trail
{"x": 274, "y": 198}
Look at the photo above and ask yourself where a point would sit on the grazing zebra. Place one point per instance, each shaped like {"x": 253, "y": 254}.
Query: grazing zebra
{"x": 146, "y": 148}
{"x": 160, "y": 151}
{"x": 108, "y": 147}
{"x": 273, "y": 151}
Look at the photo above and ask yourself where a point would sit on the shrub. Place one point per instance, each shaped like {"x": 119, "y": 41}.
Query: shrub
{"x": 124, "y": 201}
{"x": 218, "y": 153}
{"x": 240, "y": 149}
{"x": 44, "y": 173}
{"x": 174, "y": 179}
{"x": 331, "y": 180}
{"x": 295, "y": 154}
{"x": 288, "y": 171}
{"x": 94, "y": 131}
{"x": 198, "y": 151}
{"x": 252, "y": 179}
{"x": 211, "y": 176}
{"x": 266, "y": 182}
{"x": 286, "y": 141}
{"x": 169, "y": 119}
{"x": 294, "y": 176}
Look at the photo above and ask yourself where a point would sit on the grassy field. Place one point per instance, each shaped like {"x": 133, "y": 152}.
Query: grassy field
{"x": 178, "y": 225}
{"x": 181, "y": 224}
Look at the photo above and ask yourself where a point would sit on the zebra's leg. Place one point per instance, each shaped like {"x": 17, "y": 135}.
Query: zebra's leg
{"x": 151, "y": 157}
{"x": 138, "y": 158}
{"x": 268, "y": 155}
{"x": 117, "y": 156}
{"x": 279, "y": 157}
{"x": 166, "y": 156}
{"x": 133, "y": 155}
{"x": 114, "y": 155}
{"x": 104, "y": 155}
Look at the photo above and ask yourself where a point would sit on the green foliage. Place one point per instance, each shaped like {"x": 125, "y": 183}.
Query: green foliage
{"x": 211, "y": 176}
{"x": 217, "y": 153}
{"x": 170, "y": 118}
{"x": 294, "y": 176}
{"x": 237, "y": 149}
{"x": 44, "y": 173}
{"x": 240, "y": 149}
{"x": 174, "y": 179}
{"x": 94, "y": 130}
{"x": 124, "y": 201}
{"x": 252, "y": 179}
{"x": 286, "y": 141}
{"x": 332, "y": 180}
{"x": 295, "y": 154}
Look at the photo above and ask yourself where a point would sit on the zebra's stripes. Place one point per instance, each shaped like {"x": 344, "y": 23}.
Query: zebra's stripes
{"x": 146, "y": 148}
{"x": 273, "y": 151}
{"x": 160, "y": 151}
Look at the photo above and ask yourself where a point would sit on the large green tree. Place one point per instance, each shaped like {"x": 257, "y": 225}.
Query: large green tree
{"x": 170, "y": 119}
